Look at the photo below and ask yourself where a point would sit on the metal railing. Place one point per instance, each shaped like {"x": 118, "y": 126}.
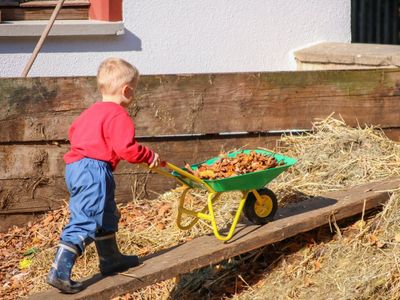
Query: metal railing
{"x": 375, "y": 21}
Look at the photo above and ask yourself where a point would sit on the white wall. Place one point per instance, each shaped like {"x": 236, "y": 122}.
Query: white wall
{"x": 192, "y": 36}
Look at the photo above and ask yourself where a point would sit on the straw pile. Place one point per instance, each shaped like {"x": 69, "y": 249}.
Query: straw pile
{"x": 333, "y": 156}
{"x": 359, "y": 261}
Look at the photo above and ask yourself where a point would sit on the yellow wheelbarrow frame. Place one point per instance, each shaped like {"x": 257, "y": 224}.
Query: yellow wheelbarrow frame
{"x": 207, "y": 213}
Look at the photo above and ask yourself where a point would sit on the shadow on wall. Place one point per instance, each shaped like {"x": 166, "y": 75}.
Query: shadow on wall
{"x": 56, "y": 44}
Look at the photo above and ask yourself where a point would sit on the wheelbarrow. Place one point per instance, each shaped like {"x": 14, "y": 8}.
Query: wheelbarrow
{"x": 258, "y": 203}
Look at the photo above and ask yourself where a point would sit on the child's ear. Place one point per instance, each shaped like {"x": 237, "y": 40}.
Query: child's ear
{"x": 126, "y": 91}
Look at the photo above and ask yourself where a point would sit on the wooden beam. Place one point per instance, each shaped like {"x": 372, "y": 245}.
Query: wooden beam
{"x": 32, "y": 176}
{"x": 7, "y": 221}
{"x": 290, "y": 221}
{"x": 46, "y": 160}
{"x": 41, "y": 109}
{"x": 67, "y": 3}
{"x": 40, "y": 194}
{"x": 9, "y": 3}
{"x": 37, "y": 13}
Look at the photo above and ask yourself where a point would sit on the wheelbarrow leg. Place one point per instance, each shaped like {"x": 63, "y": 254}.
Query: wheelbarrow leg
{"x": 211, "y": 199}
{"x": 182, "y": 210}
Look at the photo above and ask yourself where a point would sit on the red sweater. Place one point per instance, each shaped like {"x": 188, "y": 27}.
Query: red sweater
{"x": 106, "y": 132}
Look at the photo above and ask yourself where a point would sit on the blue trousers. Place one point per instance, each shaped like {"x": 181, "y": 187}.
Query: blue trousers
{"x": 91, "y": 185}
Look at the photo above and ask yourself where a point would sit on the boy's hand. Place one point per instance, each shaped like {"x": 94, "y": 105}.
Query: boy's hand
{"x": 155, "y": 162}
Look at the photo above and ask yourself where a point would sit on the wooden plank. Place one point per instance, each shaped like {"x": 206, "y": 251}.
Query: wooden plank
{"x": 19, "y": 161}
{"x": 67, "y": 3}
{"x": 41, "y": 109}
{"x": 7, "y": 221}
{"x": 46, "y": 160}
{"x": 29, "y": 195}
{"x": 37, "y": 13}
{"x": 393, "y": 134}
{"x": 42, "y": 194}
{"x": 292, "y": 220}
{"x": 9, "y": 3}
{"x": 32, "y": 176}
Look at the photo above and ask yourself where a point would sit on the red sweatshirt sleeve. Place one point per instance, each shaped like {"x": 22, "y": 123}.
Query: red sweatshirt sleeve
{"x": 121, "y": 132}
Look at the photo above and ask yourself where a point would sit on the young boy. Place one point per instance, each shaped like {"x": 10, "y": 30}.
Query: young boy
{"x": 100, "y": 137}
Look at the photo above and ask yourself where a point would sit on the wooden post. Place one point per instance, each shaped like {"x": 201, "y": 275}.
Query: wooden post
{"x": 42, "y": 38}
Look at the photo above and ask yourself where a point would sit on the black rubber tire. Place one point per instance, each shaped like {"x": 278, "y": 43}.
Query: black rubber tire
{"x": 249, "y": 207}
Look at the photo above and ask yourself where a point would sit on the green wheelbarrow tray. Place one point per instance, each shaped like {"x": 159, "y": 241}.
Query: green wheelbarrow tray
{"x": 249, "y": 181}
{"x": 259, "y": 204}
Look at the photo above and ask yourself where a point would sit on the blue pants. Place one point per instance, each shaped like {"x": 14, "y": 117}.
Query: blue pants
{"x": 92, "y": 205}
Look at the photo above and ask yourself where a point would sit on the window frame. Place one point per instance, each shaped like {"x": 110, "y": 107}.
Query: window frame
{"x": 41, "y": 10}
{"x": 104, "y": 18}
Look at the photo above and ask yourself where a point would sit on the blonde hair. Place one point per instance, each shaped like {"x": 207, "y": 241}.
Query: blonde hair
{"x": 113, "y": 73}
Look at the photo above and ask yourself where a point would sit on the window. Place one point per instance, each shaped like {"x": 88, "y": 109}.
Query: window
{"x": 375, "y": 22}
{"x": 30, "y": 10}
{"x": 77, "y": 17}
{"x": 105, "y": 10}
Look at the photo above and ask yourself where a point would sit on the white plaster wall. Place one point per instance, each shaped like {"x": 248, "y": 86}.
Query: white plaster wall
{"x": 192, "y": 36}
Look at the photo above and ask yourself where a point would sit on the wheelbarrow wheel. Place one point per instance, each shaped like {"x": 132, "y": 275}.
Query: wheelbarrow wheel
{"x": 261, "y": 212}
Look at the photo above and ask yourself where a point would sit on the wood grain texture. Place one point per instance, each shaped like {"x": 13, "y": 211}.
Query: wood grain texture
{"x": 7, "y": 221}
{"x": 41, "y": 109}
{"x": 35, "y": 112}
{"x": 32, "y": 176}
{"x": 67, "y": 3}
{"x": 40, "y": 13}
{"x": 290, "y": 221}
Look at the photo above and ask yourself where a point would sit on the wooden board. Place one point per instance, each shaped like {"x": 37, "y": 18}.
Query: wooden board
{"x": 21, "y": 161}
{"x": 43, "y": 13}
{"x": 48, "y": 3}
{"x": 5, "y": 3}
{"x": 66, "y": 3}
{"x": 42, "y": 194}
{"x": 35, "y": 112}
{"x": 7, "y": 221}
{"x": 297, "y": 218}
{"x": 32, "y": 176}
{"x": 41, "y": 109}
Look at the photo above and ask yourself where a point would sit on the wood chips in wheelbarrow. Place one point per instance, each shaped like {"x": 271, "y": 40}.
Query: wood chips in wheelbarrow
{"x": 232, "y": 166}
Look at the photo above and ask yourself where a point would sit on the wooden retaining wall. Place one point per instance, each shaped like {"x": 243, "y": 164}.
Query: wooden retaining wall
{"x": 183, "y": 117}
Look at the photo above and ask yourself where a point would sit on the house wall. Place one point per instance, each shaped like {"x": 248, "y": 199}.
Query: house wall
{"x": 166, "y": 37}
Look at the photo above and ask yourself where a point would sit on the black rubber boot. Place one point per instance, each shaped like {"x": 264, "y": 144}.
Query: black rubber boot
{"x": 111, "y": 260}
{"x": 60, "y": 272}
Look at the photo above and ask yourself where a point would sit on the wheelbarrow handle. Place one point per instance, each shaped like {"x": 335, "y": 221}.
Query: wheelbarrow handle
{"x": 181, "y": 172}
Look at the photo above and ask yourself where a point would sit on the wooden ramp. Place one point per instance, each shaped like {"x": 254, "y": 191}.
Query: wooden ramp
{"x": 206, "y": 250}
